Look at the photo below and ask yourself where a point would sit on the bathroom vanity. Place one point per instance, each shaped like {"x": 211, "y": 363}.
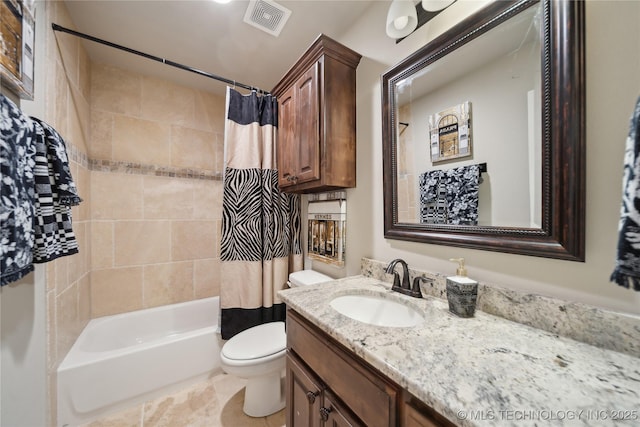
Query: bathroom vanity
{"x": 328, "y": 385}
{"x": 445, "y": 370}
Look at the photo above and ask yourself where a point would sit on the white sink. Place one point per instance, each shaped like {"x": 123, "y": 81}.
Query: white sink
{"x": 376, "y": 310}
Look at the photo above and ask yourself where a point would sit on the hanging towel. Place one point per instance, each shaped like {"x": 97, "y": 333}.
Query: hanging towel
{"x": 433, "y": 197}
{"x": 17, "y": 193}
{"x": 56, "y": 192}
{"x": 450, "y": 196}
{"x": 627, "y": 269}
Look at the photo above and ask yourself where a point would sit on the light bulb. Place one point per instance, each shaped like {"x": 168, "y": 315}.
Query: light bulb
{"x": 401, "y": 22}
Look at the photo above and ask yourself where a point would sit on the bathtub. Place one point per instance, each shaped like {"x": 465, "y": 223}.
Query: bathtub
{"x": 122, "y": 360}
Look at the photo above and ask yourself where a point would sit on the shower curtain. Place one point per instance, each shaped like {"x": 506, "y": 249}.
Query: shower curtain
{"x": 261, "y": 226}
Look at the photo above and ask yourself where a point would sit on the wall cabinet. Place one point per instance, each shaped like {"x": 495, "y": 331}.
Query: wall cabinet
{"x": 328, "y": 385}
{"x": 316, "y": 145}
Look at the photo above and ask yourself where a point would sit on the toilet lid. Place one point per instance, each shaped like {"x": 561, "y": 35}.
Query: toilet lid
{"x": 307, "y": 277}
{"x": 254, "y": 343}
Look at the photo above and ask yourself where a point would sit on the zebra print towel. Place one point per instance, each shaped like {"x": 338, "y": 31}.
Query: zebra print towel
{"x": 627, "y": 269}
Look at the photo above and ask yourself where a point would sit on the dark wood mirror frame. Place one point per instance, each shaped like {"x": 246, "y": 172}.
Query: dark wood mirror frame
{"x": 562, "y": 234}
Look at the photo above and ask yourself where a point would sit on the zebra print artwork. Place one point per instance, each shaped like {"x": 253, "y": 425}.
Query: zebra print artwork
{"x": 261, "y": 226}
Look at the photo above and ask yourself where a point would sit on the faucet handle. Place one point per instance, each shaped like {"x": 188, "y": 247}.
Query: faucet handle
{"x": 415, "y": 289}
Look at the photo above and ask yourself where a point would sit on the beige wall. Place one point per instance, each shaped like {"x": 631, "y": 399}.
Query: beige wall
{"x": 613, "y": 66}
{"x": 157, "y": 159}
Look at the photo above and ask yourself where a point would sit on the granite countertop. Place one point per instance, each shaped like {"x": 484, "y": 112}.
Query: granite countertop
{"x": 485, "y": 370}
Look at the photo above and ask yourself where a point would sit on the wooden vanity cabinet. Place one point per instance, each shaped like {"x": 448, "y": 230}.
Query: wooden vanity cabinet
{"x": 327, "y": 385}
{"x": 316, "y": 142}
{"x": 310, "y": 403}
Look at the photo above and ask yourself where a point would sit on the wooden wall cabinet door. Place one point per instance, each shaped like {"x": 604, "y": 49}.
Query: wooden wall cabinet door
{"x": 316, "y": 147}
{"x": 299, "y": 131}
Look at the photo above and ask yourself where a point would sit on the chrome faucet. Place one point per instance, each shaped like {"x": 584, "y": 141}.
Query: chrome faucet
{"x": 404, "y": 288}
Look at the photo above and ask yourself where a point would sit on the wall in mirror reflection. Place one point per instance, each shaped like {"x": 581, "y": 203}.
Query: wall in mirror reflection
{"x": 504, "y": 88}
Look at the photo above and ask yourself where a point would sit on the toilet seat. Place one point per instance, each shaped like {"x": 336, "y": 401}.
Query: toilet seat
{"x": 258, "y": 342}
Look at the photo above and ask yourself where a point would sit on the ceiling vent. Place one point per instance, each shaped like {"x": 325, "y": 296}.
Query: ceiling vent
{"x": 267, "y": 15}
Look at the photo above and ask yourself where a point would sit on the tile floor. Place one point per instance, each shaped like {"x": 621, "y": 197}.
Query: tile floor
{"x": 216, "y": 402}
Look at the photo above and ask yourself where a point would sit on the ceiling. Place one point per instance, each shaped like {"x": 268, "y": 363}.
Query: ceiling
{"x": 208, "y": 36}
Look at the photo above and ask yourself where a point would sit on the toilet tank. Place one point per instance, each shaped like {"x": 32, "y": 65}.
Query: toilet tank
{"x": 307, "y": 277}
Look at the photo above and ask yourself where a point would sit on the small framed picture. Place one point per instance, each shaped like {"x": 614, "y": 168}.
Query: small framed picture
{"x": 450, "y": 133}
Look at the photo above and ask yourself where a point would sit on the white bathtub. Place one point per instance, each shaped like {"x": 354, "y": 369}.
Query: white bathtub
{"x": 122, "y": 360}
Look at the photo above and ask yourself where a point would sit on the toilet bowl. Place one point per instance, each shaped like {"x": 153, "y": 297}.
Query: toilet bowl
{"x": 258, "y": 355}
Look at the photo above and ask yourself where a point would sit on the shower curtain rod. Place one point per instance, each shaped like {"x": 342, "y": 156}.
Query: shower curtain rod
{"x": 57, "y": 27}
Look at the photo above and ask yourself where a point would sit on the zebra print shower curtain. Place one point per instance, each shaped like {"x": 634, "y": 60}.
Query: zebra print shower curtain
{"x": 261, "y": 226}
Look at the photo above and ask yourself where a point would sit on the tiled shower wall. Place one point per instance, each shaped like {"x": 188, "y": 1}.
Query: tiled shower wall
{"x": 156, "y": 157}
{"x": 407, "y": 178}
{"x": 147, "y": 156}
{"x": 66, "y": 105}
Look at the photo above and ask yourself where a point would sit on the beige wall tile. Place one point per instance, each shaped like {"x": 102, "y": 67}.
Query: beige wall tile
{"x": 206, "y": 278}
{"x": 102, "y": 244}
{"x": 168, "y": 283}
{"x": 68, "y": 46}
{"x": 116, "y": 196}
{"x": 100, "y": 147}
{"x": 79, "y": 113}
{"x": 115, "y": 90}
{"x": 167, "y": 102}
{"x": 193, "y": 149}
{"x": 193, "y": 240}
{"x": 219, "y": 150}
{"x": 66, "y": 320}
{"x": 52, "y": 327}
{"x": 117, "y": 290}
{"x": 210, "y": 112}
{"x": 82, "y": 178}
{"x": 84, "y": 68}
{"x": 62, "y": 274}
{"x": 168, "y": 198}
{"x": 207, "y": 200}
{"x": 142, "y": 242}
{"x": 84, "y": 301}
{"x": 141, "y": 141}
{"x": 60, "y": 100}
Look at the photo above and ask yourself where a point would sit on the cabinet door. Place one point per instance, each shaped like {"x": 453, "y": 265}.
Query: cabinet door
{"x": 304, "y": 396}
{"x": 335, "y": 415}
{"x": 308, "y": 126}
{"x": 287, "y": 147}
{"x": 414, "y": 418}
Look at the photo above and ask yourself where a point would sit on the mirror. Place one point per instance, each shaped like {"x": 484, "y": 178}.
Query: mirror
{"x": 483, "y": 133}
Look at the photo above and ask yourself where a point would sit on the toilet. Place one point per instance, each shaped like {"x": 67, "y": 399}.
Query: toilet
{"x": 258, "y": 355}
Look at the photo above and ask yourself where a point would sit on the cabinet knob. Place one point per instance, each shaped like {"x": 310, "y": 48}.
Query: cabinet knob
{"x": 311, "y": 396}
{"x": 324, "y": 413}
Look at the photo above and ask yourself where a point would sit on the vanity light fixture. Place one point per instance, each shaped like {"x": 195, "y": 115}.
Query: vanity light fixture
{"x": 402, "y": 19}
{"x": 435, "y": 5}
